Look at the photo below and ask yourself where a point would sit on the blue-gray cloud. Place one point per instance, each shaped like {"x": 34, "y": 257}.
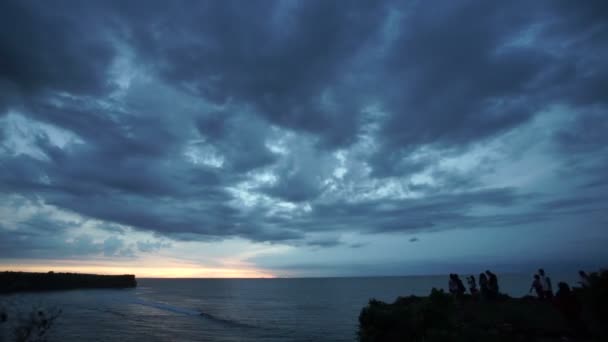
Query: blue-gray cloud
{"x": 275, "y": 121}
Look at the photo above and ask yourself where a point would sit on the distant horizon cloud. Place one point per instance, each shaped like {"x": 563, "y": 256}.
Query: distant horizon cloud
{"x": 287, "y": 138}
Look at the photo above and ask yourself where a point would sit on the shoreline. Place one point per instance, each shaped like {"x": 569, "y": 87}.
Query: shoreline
{"x": 15, "y": 282}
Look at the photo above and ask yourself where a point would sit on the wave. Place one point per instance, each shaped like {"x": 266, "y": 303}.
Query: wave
{"x": 191, "y": 312}
{"x": 167, "y": 307}
{"x": 229, "y": 322}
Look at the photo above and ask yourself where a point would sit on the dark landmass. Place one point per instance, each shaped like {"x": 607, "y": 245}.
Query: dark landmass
{"x": 26, "y": 281}
{"x": 582, "y": 316}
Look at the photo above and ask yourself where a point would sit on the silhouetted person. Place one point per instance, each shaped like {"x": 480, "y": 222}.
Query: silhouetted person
{"x": 460, "y": 284}
{"x": 483, "y": 285}
{"x": 493, "y": 288}
{"x": 472, "y": 285}
{"x": 453, "y": 284}
{"x": 567, "y": 303}
{"x": 546, "y": 282}
{"x": 537, "y": 286}
{"x": 585, "y": 279}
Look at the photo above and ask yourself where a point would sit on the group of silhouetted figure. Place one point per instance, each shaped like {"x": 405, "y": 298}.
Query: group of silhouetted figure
{"x": 542, "y": 285}
{"x": 564, "y": 299}
{"x": 488, "y": 285}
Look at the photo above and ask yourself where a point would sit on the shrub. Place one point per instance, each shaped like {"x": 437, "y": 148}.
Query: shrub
{"x": 32, "y": 327}
{"x": 594, "y": 298}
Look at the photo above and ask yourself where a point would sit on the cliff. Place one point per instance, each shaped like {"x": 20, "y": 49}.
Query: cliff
{"x": 26, "y": 281}
{"x": 439, "y": 317}
{"x": 578, "y": 315}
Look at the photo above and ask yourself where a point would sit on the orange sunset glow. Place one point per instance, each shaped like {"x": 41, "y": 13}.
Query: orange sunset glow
{"x": 162, "y": 270}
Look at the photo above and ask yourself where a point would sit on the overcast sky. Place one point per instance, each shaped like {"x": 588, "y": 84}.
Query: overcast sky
{"x": 303, "y": 138}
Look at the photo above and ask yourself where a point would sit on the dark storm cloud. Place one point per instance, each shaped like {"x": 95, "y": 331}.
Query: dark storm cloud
{"x": 51, "y": 48}
{"x": 406, "y": 215}
{"x": 568, "y": 203}
{"x": 444, "y": 77}
{"x": 182, "y": 203}
{"x": 453, "y": 74}
{"x": 296, "y": 190}
{"x": 42, "y": 237}
{"x": 324, "y": 242}
{"x": 282, "y": 59}
{"x": 151, "y": 246}
{"x": 232, "y": 135}
{"x": 465, "y": 72}
{"x": 583, "y": 145}
{"x": 586, "y": 134}
{"x": 301, "y": 178}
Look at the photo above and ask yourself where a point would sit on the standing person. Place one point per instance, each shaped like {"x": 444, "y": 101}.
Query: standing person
{"x": 567, "y": 303}
{"x": 492, "y": 284}
{"x": 546, "y": 282}
{"x": 537, "y": 286}
{"x": 585, "y": 279}
{"x": 483, "y": 285}
{"x": 461, "y": 288}
{"x": 472, "y": 285}
{"x": 453, "y": 284}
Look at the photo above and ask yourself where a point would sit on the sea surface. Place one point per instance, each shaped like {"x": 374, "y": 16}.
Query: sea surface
{"x": 306, "y": 309}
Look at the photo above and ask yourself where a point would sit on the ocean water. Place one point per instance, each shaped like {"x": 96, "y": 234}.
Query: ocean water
{"x": 307, "y": 309}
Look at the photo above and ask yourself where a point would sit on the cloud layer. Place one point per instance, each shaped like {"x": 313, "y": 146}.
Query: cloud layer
{"x": 302, "y": 123}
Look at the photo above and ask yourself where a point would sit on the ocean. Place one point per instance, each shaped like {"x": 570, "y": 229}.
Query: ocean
{"x": 306, "y": 309}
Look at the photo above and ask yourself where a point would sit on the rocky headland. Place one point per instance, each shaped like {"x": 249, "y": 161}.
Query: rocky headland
{"x": 579, "y": 315}
{"x": 27, "y": 281}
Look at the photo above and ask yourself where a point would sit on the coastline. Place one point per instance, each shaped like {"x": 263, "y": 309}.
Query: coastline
{"x": 573, "y": 314}
{"x": 12, "y": 282}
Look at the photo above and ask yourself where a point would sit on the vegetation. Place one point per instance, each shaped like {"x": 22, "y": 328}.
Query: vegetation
{"x": 32, "y": 327}
{"x": 594, "y": 297}
{"x": 444, "y": 317}
{"x": 35, "y": 325}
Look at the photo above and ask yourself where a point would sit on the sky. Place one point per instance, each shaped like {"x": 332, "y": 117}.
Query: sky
{"x": 303, "y": 138}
